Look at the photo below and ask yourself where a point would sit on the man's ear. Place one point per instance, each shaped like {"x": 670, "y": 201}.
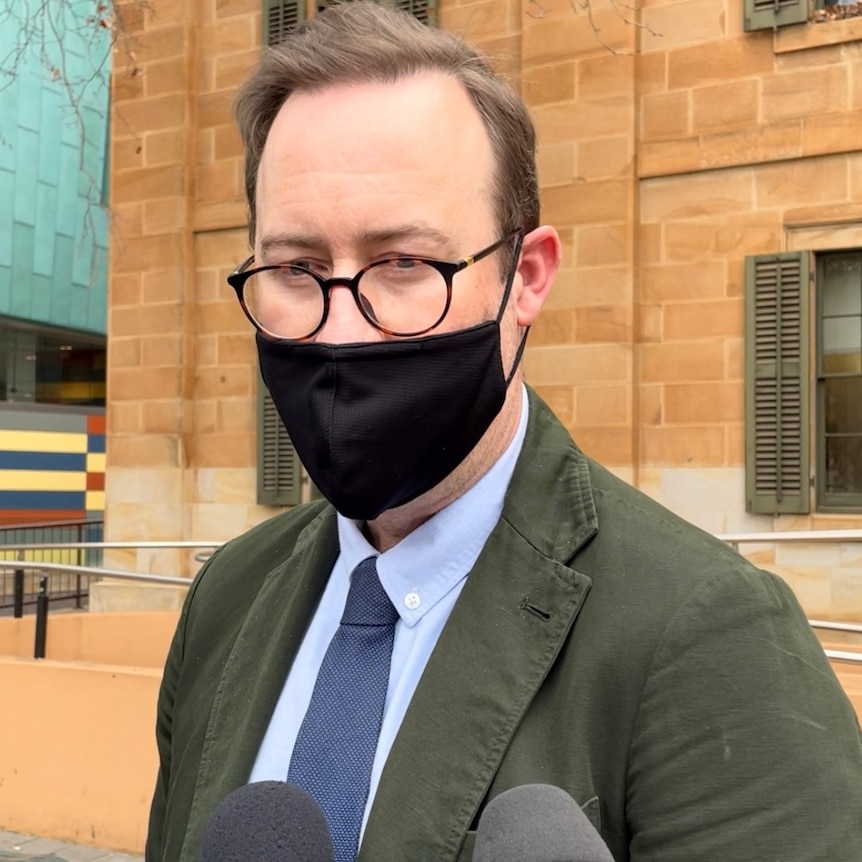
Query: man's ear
{"x": 537, "y": 268}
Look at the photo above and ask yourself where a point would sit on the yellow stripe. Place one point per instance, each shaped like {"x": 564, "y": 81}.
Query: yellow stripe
{"x": 43, "y": 441}
{"x": 42, "y": 480}
{"x": 95, "y": 501}
{"x": 69, "y": 557}
{"x": 95, "y": 462}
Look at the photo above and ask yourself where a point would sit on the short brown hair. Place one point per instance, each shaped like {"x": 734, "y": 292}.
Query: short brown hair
{"x": 366, "y": 41}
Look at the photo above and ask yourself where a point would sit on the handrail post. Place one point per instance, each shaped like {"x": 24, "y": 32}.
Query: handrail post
{"x": 18, "y": 594}
{"x": 80, "y": 531}
{"x": 41, "y": 619}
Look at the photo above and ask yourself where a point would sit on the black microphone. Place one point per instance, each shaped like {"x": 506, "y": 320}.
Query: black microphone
{"x": 537, "y": 823}
{"x": 268, "y": 821}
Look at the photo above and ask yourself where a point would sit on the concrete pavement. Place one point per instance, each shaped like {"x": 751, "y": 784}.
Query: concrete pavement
{"x": 15, "y": 847}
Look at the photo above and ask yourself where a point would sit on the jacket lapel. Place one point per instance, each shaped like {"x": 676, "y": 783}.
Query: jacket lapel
{"x": 256, "y": 668}
{"x": 508, "y": 626}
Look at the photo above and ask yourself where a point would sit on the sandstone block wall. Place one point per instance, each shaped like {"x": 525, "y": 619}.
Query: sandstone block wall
{"x": 672, "y": 145}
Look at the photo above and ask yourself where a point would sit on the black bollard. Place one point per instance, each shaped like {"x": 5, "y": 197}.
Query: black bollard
{"x": 41, "y": 619}
{"x": 18, "y": 594}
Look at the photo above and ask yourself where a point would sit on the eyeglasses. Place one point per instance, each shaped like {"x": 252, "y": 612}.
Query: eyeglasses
{"x": 400, "y": 296}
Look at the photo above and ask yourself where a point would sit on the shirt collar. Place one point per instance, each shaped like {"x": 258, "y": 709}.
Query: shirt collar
{"x": 432, "y": 560}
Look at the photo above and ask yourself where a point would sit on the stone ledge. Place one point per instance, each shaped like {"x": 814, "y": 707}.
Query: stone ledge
{"x": 810, "y": 35}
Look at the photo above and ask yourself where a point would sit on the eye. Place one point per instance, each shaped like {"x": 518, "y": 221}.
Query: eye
{"x": 404, "y": 263}
{"x": 286, "y": 276}
{"x": 304, "y": 266}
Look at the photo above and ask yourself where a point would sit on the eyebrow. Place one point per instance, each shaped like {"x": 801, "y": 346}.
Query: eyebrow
{"x": 281, "y": 241}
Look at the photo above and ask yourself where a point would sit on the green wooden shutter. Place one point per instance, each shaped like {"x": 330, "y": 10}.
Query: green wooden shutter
{"x": 279, "y": 17}
{"x": 777, "y": 359}
{"x": 279, "y": 473}
{"x": 767, "y": 14}
{"x": 424, "y": 10}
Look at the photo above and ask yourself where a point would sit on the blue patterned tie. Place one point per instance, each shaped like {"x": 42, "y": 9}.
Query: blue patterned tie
{"x": 335, "y": 747}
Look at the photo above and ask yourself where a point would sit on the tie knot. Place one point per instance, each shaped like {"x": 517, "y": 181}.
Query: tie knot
{"x": 367, "y": 602}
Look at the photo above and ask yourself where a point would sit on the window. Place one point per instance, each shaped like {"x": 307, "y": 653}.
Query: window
{"x": 424, "y": 10}
{"x": 281, "y": 16}
{"x": 781, "y": 436}
{"x": 839, "y": 380}
{"x": 42, "y": 365}
{"x": 281, "y": 480}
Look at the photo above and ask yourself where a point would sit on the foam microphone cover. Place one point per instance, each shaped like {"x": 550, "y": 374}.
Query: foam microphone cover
{"x": 268, "y": 821}
{"x": 537, "y": 823}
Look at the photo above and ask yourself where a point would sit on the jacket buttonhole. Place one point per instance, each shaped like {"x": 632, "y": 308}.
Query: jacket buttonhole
{"x": 536, "y": 611}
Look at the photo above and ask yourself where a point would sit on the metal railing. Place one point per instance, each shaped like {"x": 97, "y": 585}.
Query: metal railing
{"x": 736, "y": 539}
{"x": 843, "y": 655}
{"x": 72, "y": 542}
{"x": 834, "y": 625}
{"x": 40, "y": 570}
{"x": 68, "y": 569}
{"x": 85, "y": 530}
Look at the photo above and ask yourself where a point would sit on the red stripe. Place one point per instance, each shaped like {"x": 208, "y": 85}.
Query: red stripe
{"x": 95, "y": 424}
{"x": 38, "y": 516}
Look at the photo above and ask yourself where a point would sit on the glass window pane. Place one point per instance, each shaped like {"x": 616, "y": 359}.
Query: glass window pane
{"x": 843, "y": 465}
{"x": 843, "y": 405}
{"x": 51, "y": 366}
{"x": 842, "y": 287}
{"x": 19, "y": 365}
{"x": 842, "y": 345}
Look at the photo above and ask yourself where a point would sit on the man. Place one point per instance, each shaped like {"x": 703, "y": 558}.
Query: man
{"x": 549, "y": 624}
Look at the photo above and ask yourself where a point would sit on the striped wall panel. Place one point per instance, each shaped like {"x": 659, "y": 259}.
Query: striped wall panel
{"x": 52, "y": 465}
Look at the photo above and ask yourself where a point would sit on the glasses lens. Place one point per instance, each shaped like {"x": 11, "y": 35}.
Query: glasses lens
{"x": 403, "y": 296}
{"x": 284, "y": 301}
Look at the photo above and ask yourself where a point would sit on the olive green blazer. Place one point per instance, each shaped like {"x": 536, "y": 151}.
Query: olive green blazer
{"x": 600, "y": 644}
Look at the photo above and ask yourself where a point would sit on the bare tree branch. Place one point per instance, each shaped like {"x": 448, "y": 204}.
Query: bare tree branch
{"x": 541, "y": 11}
{"x": 586, "y": 6}
{"x": 617, "y": 6}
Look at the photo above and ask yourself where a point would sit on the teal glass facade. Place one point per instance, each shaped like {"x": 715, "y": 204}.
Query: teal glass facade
{"x": 54, "y": 110}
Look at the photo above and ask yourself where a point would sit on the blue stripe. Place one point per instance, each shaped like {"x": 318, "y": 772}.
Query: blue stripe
{"x": 95, "y": 442}
{"x": 71, "y": 461}
{"x": 42, "y": 500}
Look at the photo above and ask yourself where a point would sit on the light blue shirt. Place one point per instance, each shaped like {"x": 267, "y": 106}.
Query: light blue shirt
{"x": 422, "y": 575}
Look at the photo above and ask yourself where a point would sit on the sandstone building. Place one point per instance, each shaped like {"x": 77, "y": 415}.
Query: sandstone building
{"x": 707, "y": 182}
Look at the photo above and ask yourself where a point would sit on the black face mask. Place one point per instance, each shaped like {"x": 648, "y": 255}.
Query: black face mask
{"x": 378, "y": 424}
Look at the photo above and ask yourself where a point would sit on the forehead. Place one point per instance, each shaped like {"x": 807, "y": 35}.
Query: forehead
{"x": 415, "y": 149}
